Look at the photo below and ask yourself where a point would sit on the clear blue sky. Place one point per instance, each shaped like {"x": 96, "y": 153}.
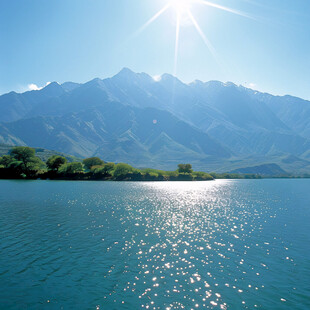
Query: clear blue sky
{"x": 78, "y": 40}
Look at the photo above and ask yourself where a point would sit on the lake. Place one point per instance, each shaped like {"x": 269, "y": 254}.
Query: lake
{"x": 225, "y": 244}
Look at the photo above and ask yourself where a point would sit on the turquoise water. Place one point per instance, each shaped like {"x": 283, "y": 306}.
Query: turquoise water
{"x": 238, "y": 244}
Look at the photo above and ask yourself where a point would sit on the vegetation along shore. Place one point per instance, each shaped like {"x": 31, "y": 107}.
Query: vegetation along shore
{"x": 22, "y": 163}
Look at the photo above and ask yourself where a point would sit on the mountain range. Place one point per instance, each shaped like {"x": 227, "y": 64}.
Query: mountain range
{"x": 133, "y": 118}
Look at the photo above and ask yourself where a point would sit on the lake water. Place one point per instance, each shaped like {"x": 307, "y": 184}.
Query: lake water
{"x": 237, "y": 244}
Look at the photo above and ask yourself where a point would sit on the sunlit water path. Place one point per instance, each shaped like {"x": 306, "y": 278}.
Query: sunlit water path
{"x": 170, "y": 245}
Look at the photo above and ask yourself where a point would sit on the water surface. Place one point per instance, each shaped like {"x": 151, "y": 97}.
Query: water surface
{"x": 238, "y": 244}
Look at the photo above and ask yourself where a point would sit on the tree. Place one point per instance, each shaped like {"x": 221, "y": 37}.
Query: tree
{"x": 23, "y": 154}
{"x": 92, "y": 161}
{"x": 6, "y": 160}
{"x": 71, "y": 168}
{"x": 185, "y": 168}
{"x": 109, "y": 167}
{"x": 202, "y": 175}
{"x": 54, "y": 162}
{"x": 24, "y": 160}
{"x": 122, "y": 169}
{"x": 16, "y": 169}
{"x": 105, "y": 169}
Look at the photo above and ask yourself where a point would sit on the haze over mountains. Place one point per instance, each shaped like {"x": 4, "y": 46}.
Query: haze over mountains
{"x": 133, "y": 118}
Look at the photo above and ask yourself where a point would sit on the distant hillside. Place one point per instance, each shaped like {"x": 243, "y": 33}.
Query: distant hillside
{"x": 42, "y": 153}
{"x": 263, "y": 170}
{"x": 133, "y": 118}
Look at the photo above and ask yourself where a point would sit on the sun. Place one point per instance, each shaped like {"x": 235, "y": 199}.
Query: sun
{"x": 180, "y": 9}
{"x": 181, "y": 6}
{"x": 184, "y": 17}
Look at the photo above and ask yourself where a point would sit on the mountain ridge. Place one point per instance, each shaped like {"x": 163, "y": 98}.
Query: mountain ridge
{"x": 225, "y": 123}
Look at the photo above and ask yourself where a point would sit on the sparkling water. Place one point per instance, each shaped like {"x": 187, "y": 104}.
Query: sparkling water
{"x": 237, "y": 244}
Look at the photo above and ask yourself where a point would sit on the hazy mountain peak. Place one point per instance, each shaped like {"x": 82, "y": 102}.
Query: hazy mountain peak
{"x": 214, "y": 83}
{"x": 94, "y": 81}
{"x": 69, "y": 86}
{"x": 125, "y": 72}
{"x": 128, "y": 76}
{"x": 196, "y": 83}
{"x": 246, "y": 122}
{"x": 230, "y": 84}
{"x": 166, "y": 77}
{"x": 52, "y": 84}
{"x": 52, "y": 89}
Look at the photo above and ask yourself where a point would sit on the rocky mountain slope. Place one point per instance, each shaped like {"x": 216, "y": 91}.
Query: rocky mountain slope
{"x": 133, "y": 118}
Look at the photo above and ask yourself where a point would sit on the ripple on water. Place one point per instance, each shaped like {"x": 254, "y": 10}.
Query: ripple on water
{"x": 170, "y": 245}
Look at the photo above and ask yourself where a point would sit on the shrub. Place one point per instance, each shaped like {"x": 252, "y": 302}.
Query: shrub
{"x": 92, "y": 161}
{"x": 122, "y": 170}
{"x": 71, "y": 168}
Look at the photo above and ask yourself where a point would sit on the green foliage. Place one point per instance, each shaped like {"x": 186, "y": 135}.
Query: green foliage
{"x": 54, "y": 162}
{"x": 149, "y": 170}
{"x": 97, "y": 170}
{"x": 199, "y": 175}
{"x": 71, "y": 168}
{"x": 150, "y": 176}
{"x": 153, "y": 174}
{"x": 109, "y": 167}
{"x": 35, "y": 163}
{"x": 92, "y": 161}
{"x": 234, "y": 176}
{"x": 160, "y": 173}
{"x": 6, "y": 160}
{"x": 23, "y": 153}
{"x": 25, "y": 162}
{"x": 103, "y": 170}
{"x": 122, "y": 170}
{"x": 17, "y": 168}
{"x": 22, "y": 162}
{"x": 185, "y": 168}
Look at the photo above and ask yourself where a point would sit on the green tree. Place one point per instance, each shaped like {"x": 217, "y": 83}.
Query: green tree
{"x": 26, "y": 161}
{"x": 202, "y": 175}
{"x": 23, "y": 154}
{"x": 92, "y": 161}
{"x": 109, "y": 167}
{"x": 54, "y": 162}
{"x": 106, "y": 169}
{"x": 122, "y": 169}
{"x": 185, "y": 168}
{"x": 6, "y": 160}
{"x": 71, "y": 168}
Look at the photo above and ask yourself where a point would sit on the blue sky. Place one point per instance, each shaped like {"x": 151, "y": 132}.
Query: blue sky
{"x": 78, "y": 40}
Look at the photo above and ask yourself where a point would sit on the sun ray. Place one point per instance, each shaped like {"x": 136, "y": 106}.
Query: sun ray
{"x": 176, "y": 50}
{"x": 224, "y": 8}
{"x": 176, "y": 53}
{"x": 202, "y": 35}
{"x": 152, "y": 19}
{"x": 207, "y": 42}
{"x": 182, "y": 9}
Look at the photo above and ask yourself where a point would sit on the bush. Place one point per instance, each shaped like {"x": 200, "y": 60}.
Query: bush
{"x": 121, "y": 170}
{"x": 103, "y": 170}
{"x": 185, "y": 168}
{"x": 199, "y": 175}
{"x": 71, "y": 168}
{"x": 92, "y": 161}
{"x": 55, "y": 162}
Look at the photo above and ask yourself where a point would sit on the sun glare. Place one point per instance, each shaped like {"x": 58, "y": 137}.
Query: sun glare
{"x": 181, "y": 6}
{"x": 184, "y": 16}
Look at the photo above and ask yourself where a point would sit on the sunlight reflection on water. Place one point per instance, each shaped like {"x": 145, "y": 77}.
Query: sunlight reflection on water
{"x": 159, "y": 245}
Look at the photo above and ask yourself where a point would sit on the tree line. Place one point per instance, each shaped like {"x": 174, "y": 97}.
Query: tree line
{"x": 22, "y": 163}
